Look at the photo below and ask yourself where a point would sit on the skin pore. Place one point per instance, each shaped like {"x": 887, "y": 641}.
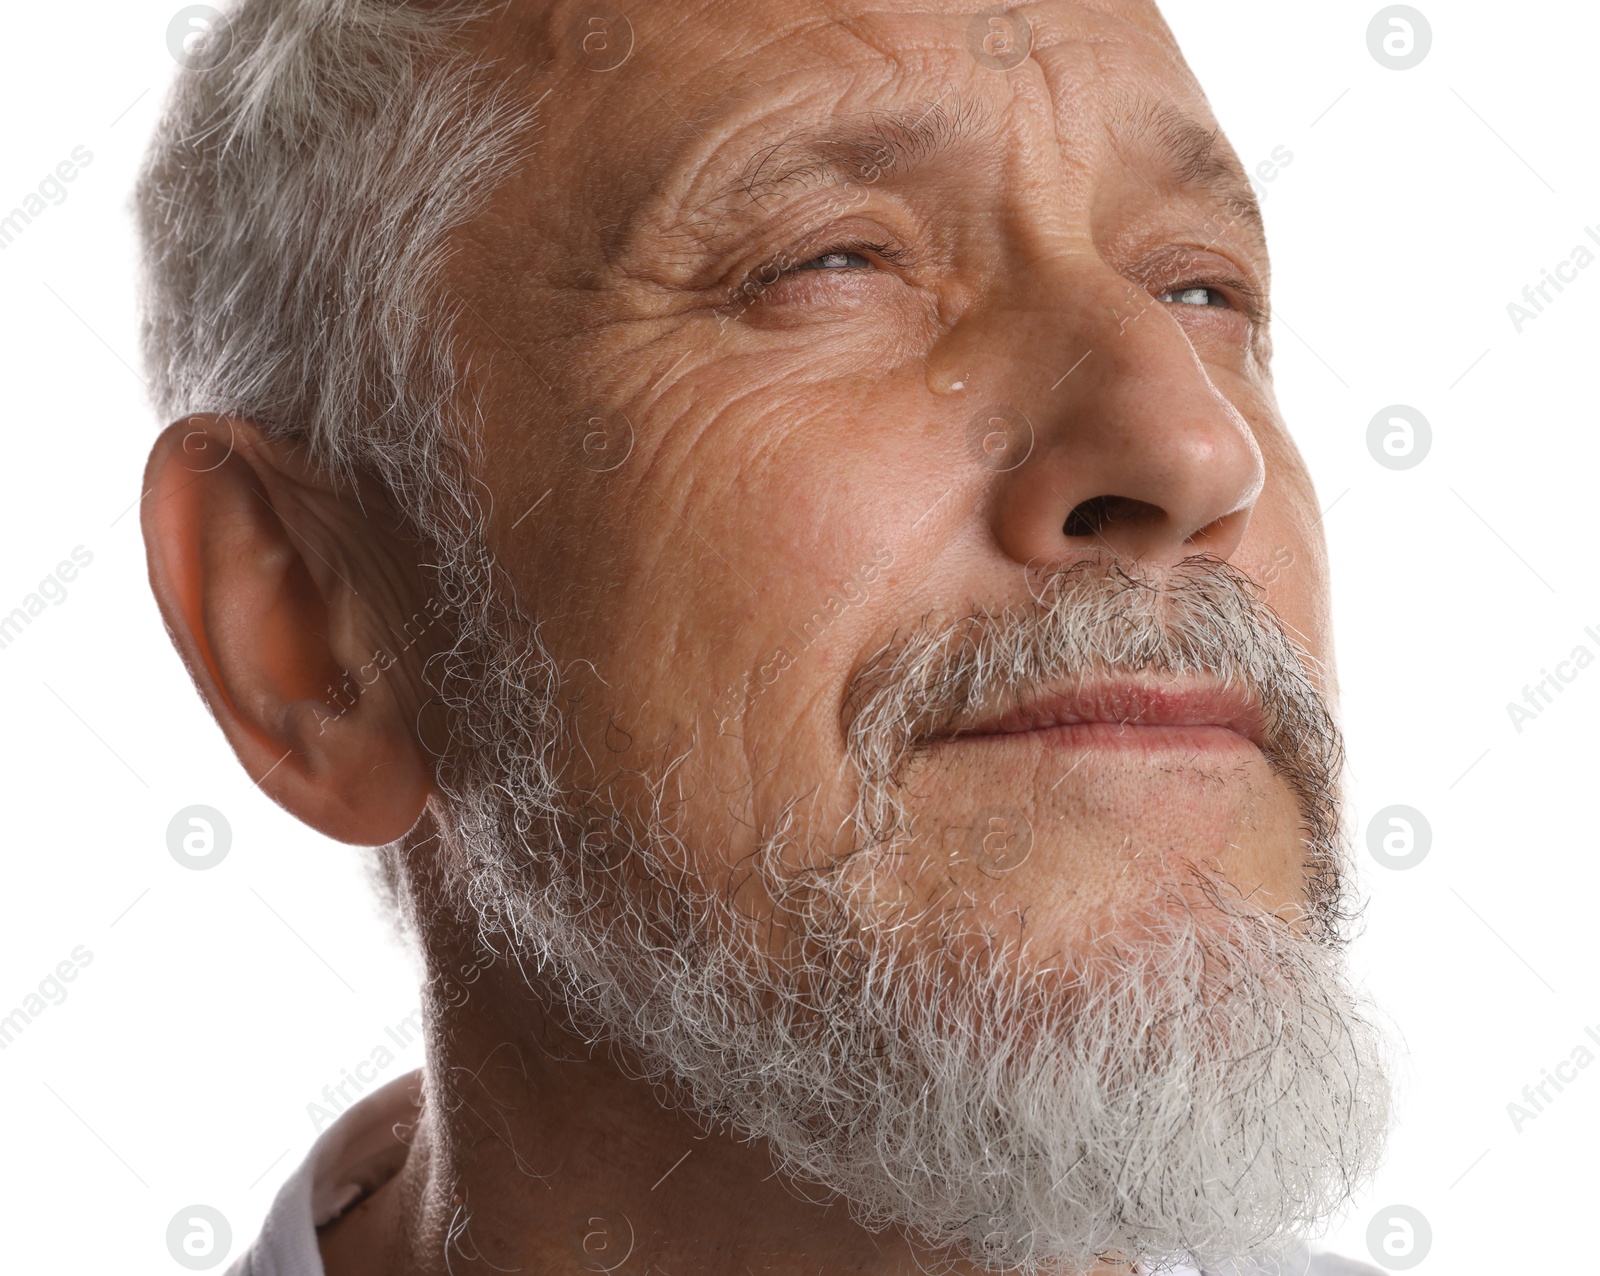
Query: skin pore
{"x": 742, "y": 327}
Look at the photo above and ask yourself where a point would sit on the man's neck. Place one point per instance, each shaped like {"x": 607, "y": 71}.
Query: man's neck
{"x": 534, "y": 1153}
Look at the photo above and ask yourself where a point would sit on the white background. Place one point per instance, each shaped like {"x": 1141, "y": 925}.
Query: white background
{"x": 1418, "y": 203}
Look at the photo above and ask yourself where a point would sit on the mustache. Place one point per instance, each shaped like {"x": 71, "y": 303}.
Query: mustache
{"x": 1098, "y": 617}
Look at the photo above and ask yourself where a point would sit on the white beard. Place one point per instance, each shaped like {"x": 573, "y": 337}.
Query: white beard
{"x": 1201, "y": 1084}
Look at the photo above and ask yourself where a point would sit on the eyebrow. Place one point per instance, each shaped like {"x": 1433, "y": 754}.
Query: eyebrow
{"x": 1188, "y": 154}
{"x": 866, "y": 147}
{"x": 862, "y": 147}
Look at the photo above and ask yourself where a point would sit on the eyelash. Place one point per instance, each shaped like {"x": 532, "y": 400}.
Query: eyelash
{"x": 1241, "y": 297}
{"x": 858, "y": 248}
{"x": 749, "y": 291}
{"x": 790, "y": 264}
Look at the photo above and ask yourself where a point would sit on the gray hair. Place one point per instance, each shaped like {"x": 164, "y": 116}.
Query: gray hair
{"x": 295, "y": 208}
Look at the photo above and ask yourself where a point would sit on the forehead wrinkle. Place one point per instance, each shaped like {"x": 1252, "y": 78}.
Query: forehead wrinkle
{"x": 1190, "y": 155}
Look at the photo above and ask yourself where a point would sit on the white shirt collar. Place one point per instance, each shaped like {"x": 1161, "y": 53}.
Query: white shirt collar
{"x": 354, "y": 1156}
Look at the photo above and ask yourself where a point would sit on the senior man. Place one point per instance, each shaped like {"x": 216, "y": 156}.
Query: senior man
{"x": 763, "y": 512}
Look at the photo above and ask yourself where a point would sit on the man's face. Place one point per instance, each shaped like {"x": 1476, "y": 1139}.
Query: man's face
{"x": 811, "y": 324}
{"x": 878, "y": 431}
{"x": 888, "y": 698}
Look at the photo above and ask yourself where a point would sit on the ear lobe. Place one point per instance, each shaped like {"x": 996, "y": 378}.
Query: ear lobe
{"x": 281, "y": 596}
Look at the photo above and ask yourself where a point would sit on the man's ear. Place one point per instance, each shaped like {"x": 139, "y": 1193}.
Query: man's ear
{"x": 300, "y": 612}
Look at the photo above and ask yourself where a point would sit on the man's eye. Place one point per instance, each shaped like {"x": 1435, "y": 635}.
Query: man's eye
{"x": 836, "y": 261}
{"x": 1195, "y": 297}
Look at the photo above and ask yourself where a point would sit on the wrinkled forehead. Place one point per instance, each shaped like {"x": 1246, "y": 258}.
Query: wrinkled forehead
{"x": 681, "y": 101}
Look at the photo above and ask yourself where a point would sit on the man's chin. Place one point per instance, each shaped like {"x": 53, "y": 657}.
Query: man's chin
{"x": 1108, "y": 839}
{"x": 1189, "y": 1075}
{"x": 1097, "y": 1100}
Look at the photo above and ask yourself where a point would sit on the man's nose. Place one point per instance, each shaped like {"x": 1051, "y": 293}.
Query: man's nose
{"x": 1135, "y": 449}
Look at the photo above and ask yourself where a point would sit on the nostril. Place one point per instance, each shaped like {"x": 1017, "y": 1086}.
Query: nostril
{"x": 1092, "y": 517}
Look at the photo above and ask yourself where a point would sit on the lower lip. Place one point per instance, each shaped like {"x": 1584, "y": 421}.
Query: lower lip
{"x": 1189, "y": 738}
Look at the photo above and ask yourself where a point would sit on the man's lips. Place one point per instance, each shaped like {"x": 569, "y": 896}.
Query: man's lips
{"x": 1104, "y": 711}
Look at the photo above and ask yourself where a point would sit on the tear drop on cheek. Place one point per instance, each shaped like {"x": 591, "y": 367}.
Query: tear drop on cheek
{"x": 943, "y": 381}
